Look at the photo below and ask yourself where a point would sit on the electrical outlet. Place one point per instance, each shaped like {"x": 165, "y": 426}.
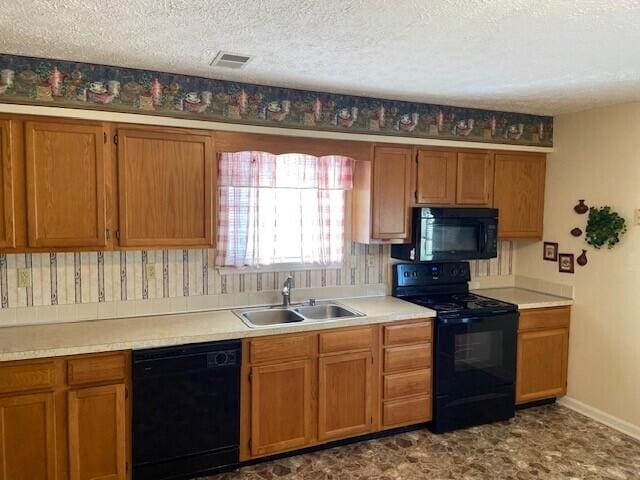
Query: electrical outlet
{"x": 371, "y": 261}
{"x": 24, "y": 277}
{"x": 151, "y": 272}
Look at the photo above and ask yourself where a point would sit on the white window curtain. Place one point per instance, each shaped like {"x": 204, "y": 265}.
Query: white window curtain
{"x": 281, "y": 208}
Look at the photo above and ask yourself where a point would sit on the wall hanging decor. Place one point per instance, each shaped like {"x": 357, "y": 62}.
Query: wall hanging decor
{"x": 39, "y": 81}
{"x": 576, "y": 232}
{"x": 582, "y": 259}
{"x": 604, "y": 227}
{"x": 566, "y": 262}
{"x": 550, "y": 251}
{"x": 581, "y": 208}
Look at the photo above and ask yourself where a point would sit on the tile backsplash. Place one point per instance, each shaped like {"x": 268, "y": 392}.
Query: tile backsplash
{"x": 87, "y": 277}
{"x": 104, "y": 284}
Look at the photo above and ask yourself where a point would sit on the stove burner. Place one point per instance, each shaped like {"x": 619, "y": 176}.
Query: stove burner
{"x": 446, "y": 306}
{"x": 488, "y": 303}
{"x": 465, "y": 298}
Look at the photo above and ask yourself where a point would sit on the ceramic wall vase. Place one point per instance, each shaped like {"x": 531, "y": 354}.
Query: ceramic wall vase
{"x": 582, "y": 259}
{"x": 581, "y": 208}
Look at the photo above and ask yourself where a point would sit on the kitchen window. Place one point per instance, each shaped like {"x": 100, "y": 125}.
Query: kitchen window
{"x": 281, "y": 209}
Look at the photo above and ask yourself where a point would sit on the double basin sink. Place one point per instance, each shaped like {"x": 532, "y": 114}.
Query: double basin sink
{"x": 274, "y": 316}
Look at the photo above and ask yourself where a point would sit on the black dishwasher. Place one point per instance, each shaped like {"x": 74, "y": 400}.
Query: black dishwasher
{"x": 186, "y": 410}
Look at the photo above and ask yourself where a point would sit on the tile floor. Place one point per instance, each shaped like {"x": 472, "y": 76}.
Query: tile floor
{"x": 549, "y": 442}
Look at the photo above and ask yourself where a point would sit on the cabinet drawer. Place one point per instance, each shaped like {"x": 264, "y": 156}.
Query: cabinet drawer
{"x": 411, "y": 410}
{"x": 24, "y": 377}
{"x": 411, "y": 357}
{"x": 544, "y": 318}
{"x": 407, "y": 333}
{"x": 96, "y": 369}
{"x": 345, "y": 340}
{"x": 282, "y": 347}
{"x": 407, "y": 383}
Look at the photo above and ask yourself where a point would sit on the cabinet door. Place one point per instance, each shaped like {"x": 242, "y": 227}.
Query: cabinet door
{"x": 281, "y": 413}
{"x": 391, "y": 195}
{"x": 436, "y": 177}
{"x": 27, "y": 443}
{"x": 475, "y": 179}
{"x": 165, "y": 183}
{"x": 345, "y": 395}
{"x": 542, "y": 364}
{"x": 97, "y": 429}
{"x": 66, "y": 184}
{"x": 7, "y": 221}
{"x": 519, "y": 194}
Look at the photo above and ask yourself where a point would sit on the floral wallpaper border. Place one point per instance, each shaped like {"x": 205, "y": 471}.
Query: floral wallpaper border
{"x": 39, "y": 81}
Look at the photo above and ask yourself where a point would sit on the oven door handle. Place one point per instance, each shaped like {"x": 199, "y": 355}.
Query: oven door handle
{"x": 464, "y": 320}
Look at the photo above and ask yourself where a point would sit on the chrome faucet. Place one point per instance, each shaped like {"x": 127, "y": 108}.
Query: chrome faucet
{"x": 286, "y": 292}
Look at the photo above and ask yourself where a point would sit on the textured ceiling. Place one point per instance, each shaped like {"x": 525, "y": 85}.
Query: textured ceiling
{"x": 547, "y": 56}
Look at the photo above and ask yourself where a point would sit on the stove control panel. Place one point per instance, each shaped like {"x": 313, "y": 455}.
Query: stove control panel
{"x": 430, "y": 273}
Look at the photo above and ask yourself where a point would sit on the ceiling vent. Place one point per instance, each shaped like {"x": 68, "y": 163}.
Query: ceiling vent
{"x": 231, "y": 60}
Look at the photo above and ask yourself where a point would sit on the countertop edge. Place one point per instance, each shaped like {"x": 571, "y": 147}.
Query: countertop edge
{"x": 212, "y": 337}
{"x": 509, "y": 295}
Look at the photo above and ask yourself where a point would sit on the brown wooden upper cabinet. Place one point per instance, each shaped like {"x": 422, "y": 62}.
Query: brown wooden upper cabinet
{"x": 436, "y": 177}
{"x": 519, "y": 194}
{"x": 7, "y": 212}
{"x": 449, "y": 177}
{"x": 474, "y": 185}
{"x": 165, "y": 180}
{"x": 382, "y": 196}
{"x": 65, "y": 176}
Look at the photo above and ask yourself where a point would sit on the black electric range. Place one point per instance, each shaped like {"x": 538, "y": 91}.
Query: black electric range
{"x": 474, "y": 346}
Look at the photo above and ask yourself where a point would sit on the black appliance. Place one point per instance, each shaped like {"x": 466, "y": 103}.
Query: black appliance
{"x": 186, "y": 410}
{"x": 474, "y": 348}
{"x": 447, "y": 234}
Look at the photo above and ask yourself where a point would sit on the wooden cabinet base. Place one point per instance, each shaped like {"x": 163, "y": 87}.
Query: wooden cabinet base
{"x": 281, "y": 409}
{"x": 304, "y": 390}
{"x": 397, "y": 413}
{"x": 52, "y": 429}
{"x": 543, "y": 349}
{"x": 27, "y": 439}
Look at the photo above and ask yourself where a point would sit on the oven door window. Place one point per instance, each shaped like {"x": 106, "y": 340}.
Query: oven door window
{"x": 478, "y": 351}
{"x": 477, "y": 356}
{"x": 449, "y": 238}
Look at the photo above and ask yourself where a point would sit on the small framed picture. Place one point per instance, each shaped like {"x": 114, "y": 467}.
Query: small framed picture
{"x": 550, "y": 251}
{"x": 565, "y": 262}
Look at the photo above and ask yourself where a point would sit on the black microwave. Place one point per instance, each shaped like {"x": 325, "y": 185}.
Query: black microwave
{"x": 448, "y": 234}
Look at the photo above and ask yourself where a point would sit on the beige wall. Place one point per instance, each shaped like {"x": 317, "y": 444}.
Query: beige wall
{"x": 597, "y": 157}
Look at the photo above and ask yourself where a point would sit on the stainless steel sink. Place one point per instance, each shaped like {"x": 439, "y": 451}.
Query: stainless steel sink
{"x": 326, "y": 311}
{"x": 270, "y": 317}
{"x": 279, "y": 316}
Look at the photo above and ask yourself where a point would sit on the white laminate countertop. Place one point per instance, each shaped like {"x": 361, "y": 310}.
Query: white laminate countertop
{"x": 525, "y": 299}
{"x": 37, "y": 341}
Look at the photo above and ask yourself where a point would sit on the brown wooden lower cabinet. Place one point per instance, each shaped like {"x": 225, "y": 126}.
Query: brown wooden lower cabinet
{"x": 27, "y": 438}
{"x": 301, "y": 390}
{"x": 406, "y": 373}
{"x": 281, "y": 410}
{"x": 97, "y": 433}
{"x": 52, "y": 430}
{"x": 346, "y": 390}
{"x": 543, "y": 349}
